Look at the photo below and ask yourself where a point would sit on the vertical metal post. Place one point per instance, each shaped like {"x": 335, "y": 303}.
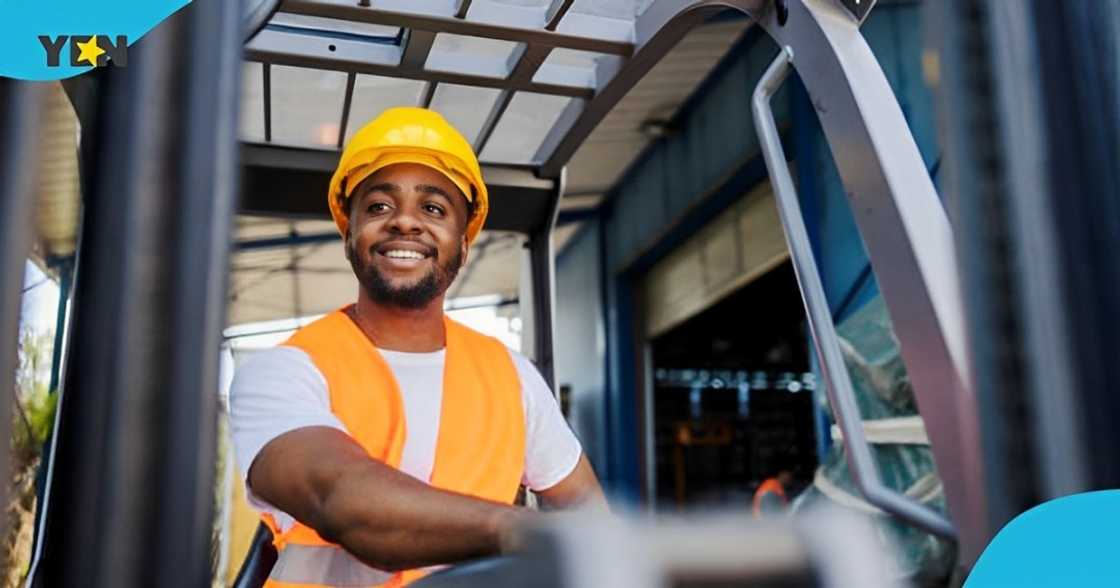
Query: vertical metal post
{"x": 649, "y": 437}
{"x": 1030, "y": 127}
{"x": 1079, "y": 209}
{"x": 65, "y": 270}
{"x": 20, "y": 108}
{"x": 133, "y": 488}
{"x": 66, "y": 280}
{"x": 208, "y": 195}
{"x": 543, "y": 279}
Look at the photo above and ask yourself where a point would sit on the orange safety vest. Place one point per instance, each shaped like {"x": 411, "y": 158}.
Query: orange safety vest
{"x": 768, "y": 485}
{"x": 480, "y": 450}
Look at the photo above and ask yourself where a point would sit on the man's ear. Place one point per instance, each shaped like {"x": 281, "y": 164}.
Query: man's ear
{"x": 464, "y": 250}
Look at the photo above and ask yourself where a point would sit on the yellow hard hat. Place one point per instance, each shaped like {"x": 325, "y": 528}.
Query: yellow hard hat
{"x": 409, "y": 135}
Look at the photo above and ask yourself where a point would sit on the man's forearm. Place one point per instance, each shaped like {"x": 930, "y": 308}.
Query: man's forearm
{"x": 385, "y": 517}
{"x": 393, "y": 521}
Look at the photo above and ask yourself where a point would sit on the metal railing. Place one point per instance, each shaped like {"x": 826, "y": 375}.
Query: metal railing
{"x": 825, "y": 340}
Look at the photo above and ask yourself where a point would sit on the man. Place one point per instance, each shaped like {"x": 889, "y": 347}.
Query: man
{"x": 770, "y": 498}
{"x": 385, "y": 438}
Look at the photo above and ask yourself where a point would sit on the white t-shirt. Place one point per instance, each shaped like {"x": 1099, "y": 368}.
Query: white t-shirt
{"x": 280, "y": 390}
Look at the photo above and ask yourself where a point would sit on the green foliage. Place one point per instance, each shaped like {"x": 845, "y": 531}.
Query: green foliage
{"x": 34, "y": 406}
{"x": 33, "y": 423}
{"x": 33, "y": 409}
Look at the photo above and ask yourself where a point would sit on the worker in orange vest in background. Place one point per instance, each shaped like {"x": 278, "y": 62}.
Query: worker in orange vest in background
{"x": 770, "y": 498}
{"x": 385, "y": 438}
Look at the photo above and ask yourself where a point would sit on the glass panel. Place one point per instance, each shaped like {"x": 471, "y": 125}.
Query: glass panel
{"x": 473, "y": 55}
{"x": 444, "y": 8}
{"x": 528, "y": 14}
{"x": 620, "y": 9}
{"x": 252, "y": 102}
{"x": 373, "y": 94}
{"x": 306, "y": 105}
{"x": 465, "y": 107}
{"x": 316, "y": 24}
{"x": 587, "y": 25}
{"x": 569, "y": 67}
{"x": 523, "y": 127}
{"x": 603, "y": 19}
{"x": 510, "y": 4}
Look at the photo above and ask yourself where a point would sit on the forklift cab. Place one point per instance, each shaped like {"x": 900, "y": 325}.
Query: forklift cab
{"x": 151, "y": 299}
{"x": 819, "y": 39}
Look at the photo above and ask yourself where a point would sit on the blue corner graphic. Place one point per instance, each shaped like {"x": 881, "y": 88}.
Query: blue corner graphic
{"x": 37, "y": 37}
{"x": 1067, "y": 542}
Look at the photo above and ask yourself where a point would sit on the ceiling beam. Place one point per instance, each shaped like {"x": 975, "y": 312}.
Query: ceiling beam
{"x": 266, "y": 79}
{"x": 429, "y": 94}
{"x": 464, "y": 6}
{"x": 325, "y": 160}
{"x": 350, "y": 79}
{"x": 292, "y": 240}
{"x": 491, "y": 122}
{"x": 556, "y": 12}
{"x": 526, "y": 61}
{"x": 283, "y": 48}
{"x": 417, "y": 46}
{"x": 291, "y": 182}
{"x": 347, "y": 10}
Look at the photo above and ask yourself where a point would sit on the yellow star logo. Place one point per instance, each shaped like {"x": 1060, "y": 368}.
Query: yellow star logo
{"x": 90, "y": 51}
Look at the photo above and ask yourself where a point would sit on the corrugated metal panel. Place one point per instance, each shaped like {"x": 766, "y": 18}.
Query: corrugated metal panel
{"x": 678, "y": 179}
{"x": 716, "y": 138}
{"x": 614, "y": 144}
{"x": 581, "y": 341}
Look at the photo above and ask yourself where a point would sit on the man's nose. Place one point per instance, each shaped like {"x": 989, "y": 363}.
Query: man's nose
{"x": 405, "y": 220}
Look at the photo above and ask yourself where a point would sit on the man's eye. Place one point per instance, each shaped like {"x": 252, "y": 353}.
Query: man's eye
{"x": 376, "y": 207}
{"x": 434, "y": 209}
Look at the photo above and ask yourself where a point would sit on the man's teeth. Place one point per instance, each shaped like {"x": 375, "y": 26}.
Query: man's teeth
{"x": 404, "y": 254}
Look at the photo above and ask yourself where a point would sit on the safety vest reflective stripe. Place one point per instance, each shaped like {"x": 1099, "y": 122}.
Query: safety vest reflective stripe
{"x": 324, "y": 565}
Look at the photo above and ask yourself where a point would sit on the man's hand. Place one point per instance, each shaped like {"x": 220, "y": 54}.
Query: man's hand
{"x": 385, "y": 517}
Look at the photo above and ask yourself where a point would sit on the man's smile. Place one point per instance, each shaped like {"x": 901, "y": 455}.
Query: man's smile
{"x": 404, "y": 254}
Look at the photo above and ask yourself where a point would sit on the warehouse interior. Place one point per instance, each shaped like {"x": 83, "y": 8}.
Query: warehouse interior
{"x": 733, "y": 396}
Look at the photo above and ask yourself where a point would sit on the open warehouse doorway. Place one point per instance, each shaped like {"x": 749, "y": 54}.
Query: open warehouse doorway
{"x": 730, "y": 383}
{"x": 733, "y": 397}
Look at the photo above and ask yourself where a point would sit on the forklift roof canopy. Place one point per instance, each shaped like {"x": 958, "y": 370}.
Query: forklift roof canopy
{"x": 531, "y": 83}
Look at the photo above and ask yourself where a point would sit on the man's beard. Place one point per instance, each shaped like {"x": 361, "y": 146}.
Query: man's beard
{"x": 414, "y": 296}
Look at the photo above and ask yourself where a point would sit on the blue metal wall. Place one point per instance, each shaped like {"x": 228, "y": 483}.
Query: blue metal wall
{"x": 681, "y": 182}
{"x": 581, "y": 341}
{"x": 894, "y": 33}
{"x": 715, "y": 139}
